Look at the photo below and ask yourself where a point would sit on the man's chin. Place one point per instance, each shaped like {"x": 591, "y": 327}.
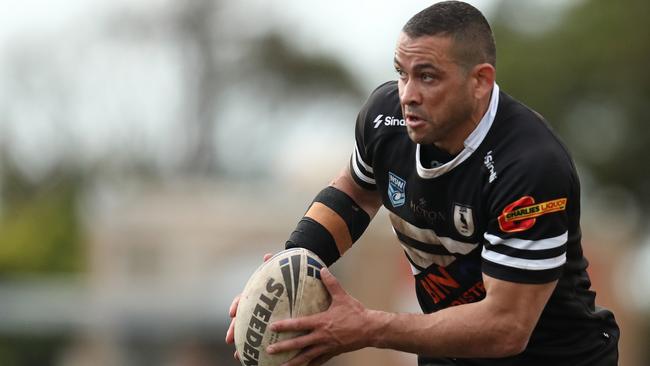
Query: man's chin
{"x": 417, "y": 136}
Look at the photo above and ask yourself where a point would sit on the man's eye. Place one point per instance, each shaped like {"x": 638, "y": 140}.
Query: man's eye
{"x": 427, "y": 77}
{"x": 400, "y": 73}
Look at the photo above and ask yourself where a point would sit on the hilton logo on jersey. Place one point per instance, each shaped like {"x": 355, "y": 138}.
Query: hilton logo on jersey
{"x": 421, "y": 210}
{"x": 464, "y": 220}
{"x": 396, "y": 190}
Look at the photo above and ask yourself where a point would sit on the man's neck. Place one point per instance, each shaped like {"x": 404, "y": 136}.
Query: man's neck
{"x": 456, "y": 143}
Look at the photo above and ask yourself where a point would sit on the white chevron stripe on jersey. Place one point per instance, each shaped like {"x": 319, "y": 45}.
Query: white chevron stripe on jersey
{"x": 357, "y": 160}
{"x": 414, "y": 270}
{"x": 424, "y": 259}
{"x": 549, "y": 243}
{"x": 428, "y": 236}
{"x": 528, "y": 264}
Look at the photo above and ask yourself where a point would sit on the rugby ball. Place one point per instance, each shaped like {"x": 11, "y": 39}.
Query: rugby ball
{"x": 288, "y": 285}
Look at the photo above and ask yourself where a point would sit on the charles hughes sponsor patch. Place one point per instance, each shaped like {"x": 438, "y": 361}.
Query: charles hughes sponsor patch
{"x": 521, "y": 214}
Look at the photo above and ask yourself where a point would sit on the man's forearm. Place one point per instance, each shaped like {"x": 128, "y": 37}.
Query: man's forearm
{"x": 497, "y": 326}
{"x": 338, "y": 216}
{"x": 470, "y": 330}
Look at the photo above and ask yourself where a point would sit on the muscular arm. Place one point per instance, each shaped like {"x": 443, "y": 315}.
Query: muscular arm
{"x": 498, "y": 326}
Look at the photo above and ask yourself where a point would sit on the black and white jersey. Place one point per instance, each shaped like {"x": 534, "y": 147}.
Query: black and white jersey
{"x": 508, "y": 205}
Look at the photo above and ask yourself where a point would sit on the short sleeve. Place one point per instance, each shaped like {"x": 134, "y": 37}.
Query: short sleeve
{"x": 529, "y": 225}
{"x": 361, "y": 161}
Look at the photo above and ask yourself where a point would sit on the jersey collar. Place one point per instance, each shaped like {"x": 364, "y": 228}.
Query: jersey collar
{"x": 471, "y": 143}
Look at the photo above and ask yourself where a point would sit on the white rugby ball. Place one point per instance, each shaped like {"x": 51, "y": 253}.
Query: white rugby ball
{"x": 288, "y": 285}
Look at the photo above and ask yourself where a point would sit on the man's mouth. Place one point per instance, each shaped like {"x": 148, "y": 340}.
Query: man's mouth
{"x": 413, "y": 120}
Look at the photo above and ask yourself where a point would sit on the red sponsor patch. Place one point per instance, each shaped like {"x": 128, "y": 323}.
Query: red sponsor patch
{"x": 521, "y": 214}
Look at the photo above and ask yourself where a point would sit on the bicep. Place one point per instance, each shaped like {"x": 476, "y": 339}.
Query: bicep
{"x": 368, "y": 200}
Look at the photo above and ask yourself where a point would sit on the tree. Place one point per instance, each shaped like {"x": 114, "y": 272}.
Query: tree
{"x": 588, "y": 76}
{"x": 41, "y": 232}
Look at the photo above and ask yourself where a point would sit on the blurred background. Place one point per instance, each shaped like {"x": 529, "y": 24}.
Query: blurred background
{"x": 152, "y": 151}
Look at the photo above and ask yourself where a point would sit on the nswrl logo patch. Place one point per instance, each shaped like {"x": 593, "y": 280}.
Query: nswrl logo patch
{"x": 396, "y": 190}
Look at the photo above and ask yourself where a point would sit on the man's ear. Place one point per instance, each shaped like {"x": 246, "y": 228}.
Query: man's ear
{"x": 483, "y": 76}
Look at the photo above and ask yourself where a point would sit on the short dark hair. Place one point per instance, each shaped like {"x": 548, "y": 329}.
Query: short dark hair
{"x": 472, "y": 35}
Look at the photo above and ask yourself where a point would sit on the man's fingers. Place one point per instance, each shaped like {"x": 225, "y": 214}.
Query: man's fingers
{"x": 330, "y": 282}
{"x": 233, "y": 306}
{"x": 321, "y": 360}
{"x": 235, "y": 302}
{"x": 230, "y": 334}
{"x": 296, "y": 343}
{"x": 297, "y": 325}
{"x": 232, "y": 311}
{"x": 307, "y": 355}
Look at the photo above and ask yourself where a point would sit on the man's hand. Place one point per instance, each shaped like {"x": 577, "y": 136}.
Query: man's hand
{"x": 342, "y": 328}
{"x": 232, "y": 312}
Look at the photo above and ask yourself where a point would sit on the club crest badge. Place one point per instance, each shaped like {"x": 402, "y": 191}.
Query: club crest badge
{"x": 396, "y": 190}
{"x": 464, "y": 220}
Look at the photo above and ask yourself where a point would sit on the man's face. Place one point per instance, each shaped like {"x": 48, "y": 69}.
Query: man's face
{"x": 434, "y": 91}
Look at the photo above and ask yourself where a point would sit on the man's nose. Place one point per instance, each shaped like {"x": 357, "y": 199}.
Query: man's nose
{"x": 410, "y": 94}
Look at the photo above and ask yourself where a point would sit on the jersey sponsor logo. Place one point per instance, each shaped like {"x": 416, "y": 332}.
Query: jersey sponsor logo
{"x": 378, "y": 120}
{"x": 422, "y": 211}
{"x": 488, "y": 161}
{"x": 388, "y": 121}
{"x": 464, "y": 220}
{"x": 473, "y": 294}
{"x": 396, "y": 190}
{"x": 439, "y": 285}
{"x": 450, "y": 286}
{"x": 522, "y": 214}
